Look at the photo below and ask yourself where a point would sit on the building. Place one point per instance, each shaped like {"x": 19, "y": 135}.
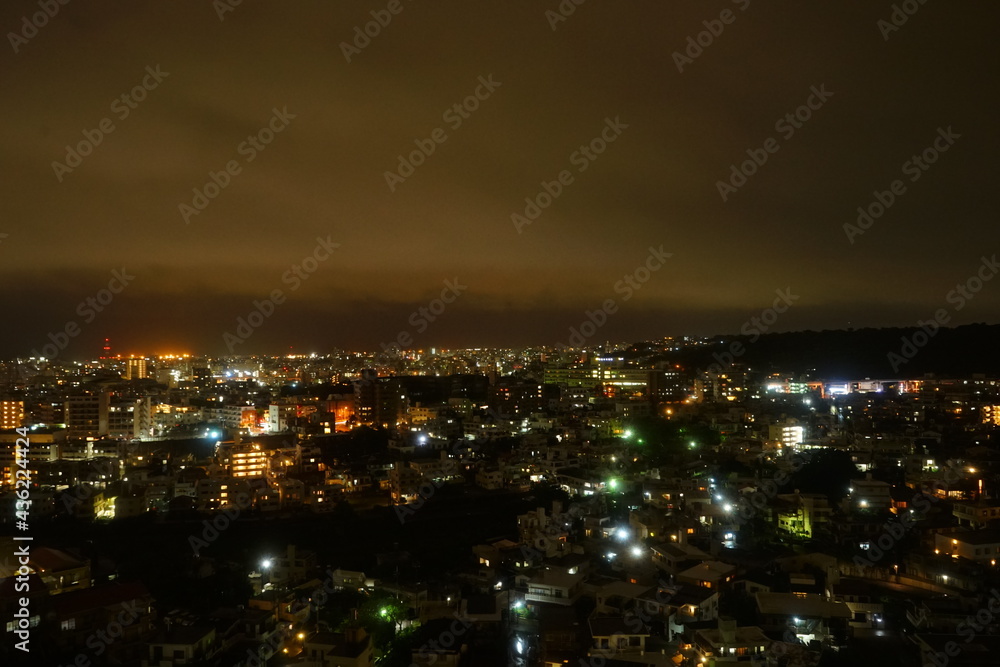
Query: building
{"x": 978, "y": 545}
{"x": 243, "y": 459}
{"x": 731, "y": 645}
{"x": 870, "y": 495}
{"x": 181, "y": 645}
{"x": 351, "y": 648}
{"x": 554, "y": 587}
{"x": 43, "y": 447}
{"x": 83, "y": 614}
{"x": 11, "y": 414}
{"x": 135, "y": 369}
{"x": 130, "y": 420}
{"x": 87, "y": 415}
{"x": 813, "y": 617}
{"x": 977, "y": 514}
{"x": 788, "y": 434}
{"x": 618, "y": 635}
{"x": 800, "y": 514}
{"x": 281, "y": 416}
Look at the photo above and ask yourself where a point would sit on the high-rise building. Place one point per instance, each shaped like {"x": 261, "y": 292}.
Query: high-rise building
{"x": 11, "y": 414}
{"x": 87, "y": 415}
{"x": 135, "y": 369}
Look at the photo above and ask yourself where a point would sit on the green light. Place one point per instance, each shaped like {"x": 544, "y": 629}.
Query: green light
{"x": 628, "y": 433}
{"x": 613, "y": 483}
{"x": 383, "y": 611}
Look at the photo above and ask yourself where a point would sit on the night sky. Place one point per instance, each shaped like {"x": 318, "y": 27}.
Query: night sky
{"x": 885, "y": 95}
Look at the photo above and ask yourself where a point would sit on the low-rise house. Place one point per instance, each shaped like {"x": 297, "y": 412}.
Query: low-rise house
{"x": 978, "y": 545}
{"x": 181, "y": 645}
{"x": 813, "y": 616}
{"x": 731, "y": 645}
{"x": 618, "y": 636}
{"x": 709, "y": 574}
{"x": 351, "y": 648}
{"x": 554, "y": 587}
{"x": 857, "y": 595}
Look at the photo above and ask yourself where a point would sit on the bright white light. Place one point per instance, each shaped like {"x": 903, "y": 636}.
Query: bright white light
{"x": 622, "y": 533}
{"x": 636, "y": 551}
{"x": 611, "y": 555}
{"x": 718, "y": 497}
{"x": 266, "y": 563}
{"x": 727, "y": 507}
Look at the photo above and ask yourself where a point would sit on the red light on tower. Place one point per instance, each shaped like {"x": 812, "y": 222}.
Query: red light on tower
{"x": 107, "y": 349}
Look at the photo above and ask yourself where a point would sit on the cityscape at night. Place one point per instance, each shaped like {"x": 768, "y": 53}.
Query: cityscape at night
{"x": 390, "y": 333}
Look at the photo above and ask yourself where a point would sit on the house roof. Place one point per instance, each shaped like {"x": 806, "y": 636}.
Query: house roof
{"x": 338, "y": 645}
{"x": 54, "y": 560}
{"x": 975, "y": 537}
{"x": 809, "y": 606}
{"x": 74, "y": 602}
{"x": 608, "y": 626}
{"x": 708, "y": 571}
